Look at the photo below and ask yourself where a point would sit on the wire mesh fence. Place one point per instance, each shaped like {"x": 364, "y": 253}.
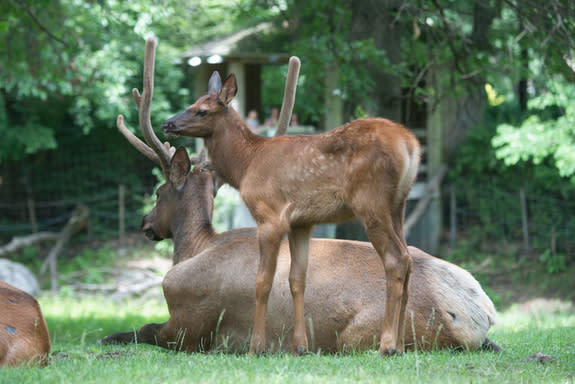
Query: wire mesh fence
{"x": 490, "y": 217}
{"x": 111, "y": 214}
{"x": 494, "y": 217}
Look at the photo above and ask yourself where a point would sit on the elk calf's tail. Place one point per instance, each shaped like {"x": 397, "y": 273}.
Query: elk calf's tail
{"x": 411, "y": 152}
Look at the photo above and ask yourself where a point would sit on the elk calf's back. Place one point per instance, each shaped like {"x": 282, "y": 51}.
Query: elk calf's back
{"x": 24, "y": 335}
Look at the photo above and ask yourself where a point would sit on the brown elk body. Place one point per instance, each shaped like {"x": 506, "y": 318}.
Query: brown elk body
{"x": 24, "y": 335}
{"x": 210, "y": 290}
{"x": 363, "y": 169}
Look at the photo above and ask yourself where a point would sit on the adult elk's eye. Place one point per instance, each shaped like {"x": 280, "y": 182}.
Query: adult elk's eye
{"x": 202, "y": 113}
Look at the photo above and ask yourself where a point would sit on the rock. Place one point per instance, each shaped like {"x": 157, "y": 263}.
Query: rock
{"x": 540, "y": 358}
{"x": 20, "y": 276}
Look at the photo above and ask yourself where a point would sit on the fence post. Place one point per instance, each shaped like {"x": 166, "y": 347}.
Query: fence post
{"x": 524, "y": 222}
{"x": 121, "y": 215}
{"x": 452, "y": 216}
{"x": 32, "y": 213}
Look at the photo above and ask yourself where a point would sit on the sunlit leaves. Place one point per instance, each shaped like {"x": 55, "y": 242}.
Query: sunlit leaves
{"x": 548, "y": 132}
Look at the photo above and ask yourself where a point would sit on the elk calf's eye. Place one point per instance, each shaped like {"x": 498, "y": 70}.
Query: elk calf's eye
{"x": 202, "y": 112}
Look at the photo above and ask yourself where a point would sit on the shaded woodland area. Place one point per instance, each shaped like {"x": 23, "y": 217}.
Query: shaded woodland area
{"x": 492, "y": 84}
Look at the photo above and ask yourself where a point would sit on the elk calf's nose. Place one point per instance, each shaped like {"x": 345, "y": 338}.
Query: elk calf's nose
{"x": 168, "y": 125}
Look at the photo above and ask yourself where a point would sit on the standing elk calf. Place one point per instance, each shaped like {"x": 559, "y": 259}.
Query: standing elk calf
{"x": 24, "y": 335}
{"x": 209, "y": 291}
{"x": 363, "y": 169}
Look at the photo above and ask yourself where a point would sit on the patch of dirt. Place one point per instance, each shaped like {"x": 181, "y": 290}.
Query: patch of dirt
{"x": 540, "y": 304}
{"x": 532, "y": 286}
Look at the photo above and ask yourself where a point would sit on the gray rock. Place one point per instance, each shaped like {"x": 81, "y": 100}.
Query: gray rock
{"x": 20, "y": 276}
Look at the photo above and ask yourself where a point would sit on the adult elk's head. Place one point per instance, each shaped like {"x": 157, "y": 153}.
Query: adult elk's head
{"x": 175, "y": 165}
{"x": 185, "y": 201}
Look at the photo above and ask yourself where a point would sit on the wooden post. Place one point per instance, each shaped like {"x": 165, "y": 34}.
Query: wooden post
{"x": 553, "y": 245}
{"x": 524, "y": 221}
{"x": 121, "y": 214}
{"x": 333, "y": 99}
{"x": 32, "y": 214}
{"x": 452, "y": 216}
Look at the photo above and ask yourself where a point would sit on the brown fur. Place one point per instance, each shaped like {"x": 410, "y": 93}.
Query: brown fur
{"x": 363, "y": 169}
{"x": 24, "y": 335}
{"x": 210, "y": 290}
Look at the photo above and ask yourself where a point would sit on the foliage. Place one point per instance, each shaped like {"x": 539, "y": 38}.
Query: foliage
{"x": 71, "y": 63}
{"x": 90, "y": 262}
{"x": 554, "y": 263}
{"x": 488, "y": 188}
{"x": 547, "y": 133}
{"x": 76, "y": 324}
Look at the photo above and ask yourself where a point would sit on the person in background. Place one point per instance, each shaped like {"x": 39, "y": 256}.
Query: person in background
{"x": 253, "y": 122}
{"x": 272, "y": 120}
{"x": 294, "y": 122}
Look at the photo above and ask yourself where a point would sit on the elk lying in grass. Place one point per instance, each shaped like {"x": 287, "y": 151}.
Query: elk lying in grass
{"x": 210, "y": 290}
{"x": 24, "y": 336}
{"x": 363, "y": 169}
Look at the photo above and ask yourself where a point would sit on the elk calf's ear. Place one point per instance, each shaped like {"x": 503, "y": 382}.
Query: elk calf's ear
{"x": 215, "y": 83}
{"x": 179, "y": 168}
{"x": 229, "y": 89}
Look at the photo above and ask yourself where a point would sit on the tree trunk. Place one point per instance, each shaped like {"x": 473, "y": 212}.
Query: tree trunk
{"x": 373, "y": 19}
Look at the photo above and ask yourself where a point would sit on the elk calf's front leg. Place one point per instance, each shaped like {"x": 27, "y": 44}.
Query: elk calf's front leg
{"x": 299, "y": 250}
{"x": 269, "y": 243}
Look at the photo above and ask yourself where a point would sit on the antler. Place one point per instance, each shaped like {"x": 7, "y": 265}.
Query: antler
{"x": 159, "y": 153}
{"x": 289, "y": 95}
{"x": 201, "y": 160}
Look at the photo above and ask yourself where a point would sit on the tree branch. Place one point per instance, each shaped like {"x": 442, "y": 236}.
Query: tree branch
{"x": 41, "y": 26}
{"x": 428, "y": 192}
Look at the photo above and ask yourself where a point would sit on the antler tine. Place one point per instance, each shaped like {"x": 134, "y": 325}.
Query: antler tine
{"x": 201, "y": 160}
{"x": 144, "y": 102}
{"x": 289, "y": 95}
{"x": 136, "y": 142}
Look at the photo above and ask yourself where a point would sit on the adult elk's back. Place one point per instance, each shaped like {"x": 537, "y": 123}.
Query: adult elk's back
{"x": 24, "y": 335}
{"x": 363, "y": 169}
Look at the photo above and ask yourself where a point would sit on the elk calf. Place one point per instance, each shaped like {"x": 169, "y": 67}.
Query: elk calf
{"x": 24, "y": 335}
{"x": 363, "y": 169}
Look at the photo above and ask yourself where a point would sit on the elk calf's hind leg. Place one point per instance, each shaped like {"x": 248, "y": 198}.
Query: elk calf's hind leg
{"x": 299, "y": 250}
{"x": 396, "y": 263}
{"x": 405, "y": 297}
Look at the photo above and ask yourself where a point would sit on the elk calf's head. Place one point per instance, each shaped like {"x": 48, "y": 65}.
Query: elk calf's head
{"x": 199, "y": 119}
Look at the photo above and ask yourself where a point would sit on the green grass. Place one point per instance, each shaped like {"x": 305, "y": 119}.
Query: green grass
{"x": 76, "y": 325}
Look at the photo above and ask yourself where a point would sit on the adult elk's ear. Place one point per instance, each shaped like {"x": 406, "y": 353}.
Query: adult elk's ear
{"x": 229, "y": 89}
{"x": 215, "y": 83}
{"x": 179, "y": 168}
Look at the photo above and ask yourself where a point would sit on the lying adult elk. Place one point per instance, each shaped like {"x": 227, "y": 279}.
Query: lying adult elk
{"x": 24, "y": 335}
{"x": 210, "y": 297}
{"x": 209, "y": 291}
{"x": 363, "y": 169}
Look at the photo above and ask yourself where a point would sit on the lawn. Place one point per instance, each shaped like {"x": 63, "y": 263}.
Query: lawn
{"x": 77, "y": 324}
